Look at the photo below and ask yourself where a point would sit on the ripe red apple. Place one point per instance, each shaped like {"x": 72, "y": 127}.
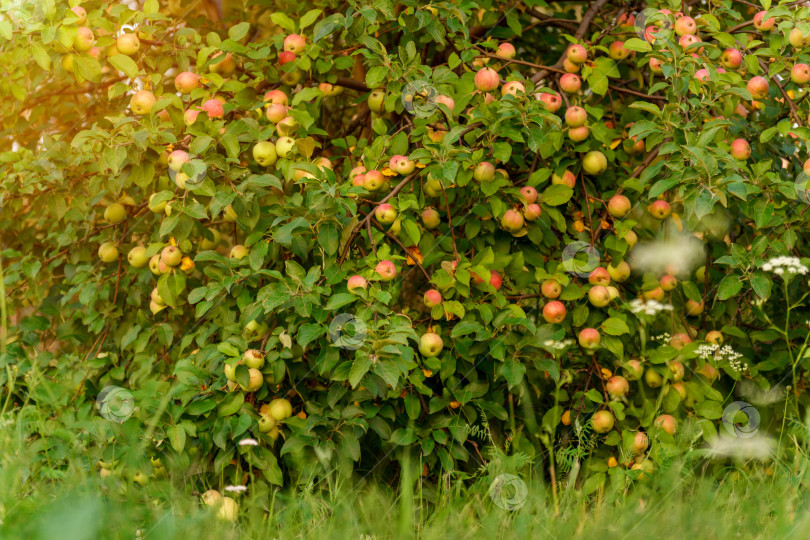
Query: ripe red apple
{"x": 285, "y": 57}
{"x": 430, "y": 218}
{"x": 617, "y": 386}
{"x": 602, "y": 421}
{"x": 506, "y": 50}
{"x": 142, "y": 102}
{"x": 678, "y": 370}
{"x": 484, "y": 172}
{"x": 758, "y": 87}
{"x": 551, "y": 289}
{"x": 660, "y": 209}
{"x": 486, "y": 80}
{"x": 655, "y": 66}
{"x": 678, "y": 341}
{"x": 633, "y": 370}
{"x": 554, "y": 312}
{"x": 570, "y": 83}
{"x": 276, "y": 112}
{"x": 800, "y": 74}
{"x": 186, "y": 81}
{"x": 177, "y": 159}
{"x": 432, "y": 298}
{"x": 512, "y": 221}
{"x": 656, "y": 294}
{"x": 709, "y": 371}
{"x": 295, "y": 44}
{"x": 702, "y": 75}
{"x": 731, "y": 58}
{"x": 567, "y": 179}
{"x": 385, "y": 214}
{"x": 575, "y": 116}
{"x": 594, "y": 163}
{"x": 356, "y": 282}
{"x": 447, "y": 101}
{"x": 386, "y": 270}
{"x": 740, "y": 149}
{"x": 763, "y": 25}
{"x": 528, "y": 194}
{"x": 553, "y": 102}
{"x": 619, "y": 206}
{"x": 618, "y": 51}
{"x": 589, "y": 338}
{"x": 687, "y": 41}
{"x": 569, "y": 66}
{"x": 668, "y": 282}
{"x": 599, "y": 276}
{"x": 276, "y": 96}
{"x": 640, "y": 443}
{"x": 667, "y": 423}
{"x": 531, "y": 212}
{"x": 81, "y": 13}
{"x": 578, "y": 134}
{"x": 171, "y": 256}
{"x": 213, "y": 108}
{"x": 685, "y": 25}
{"x": 576, "y": 54}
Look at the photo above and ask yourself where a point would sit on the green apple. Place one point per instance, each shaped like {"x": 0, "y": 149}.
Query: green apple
{"x": 142, "y": 102}
{"x": 239, "y": 252}
{"x": 115, "y": 213}
{"x": 137, "y": 257}
{"x": 255, "y": 382}
{"x": 108, "y": 252}
{"x": 265, "y": 153}
{"x": 430, "y": 345}
{"x": 156, "y": 208}
{"x": 284, "y": 145}
{"x": 594, "y": 163}
{"x": 280, "y": 409}
{"x": 128, "y": 44}
{"x": 253, "y": 358}
{"x": 171, "y": 256}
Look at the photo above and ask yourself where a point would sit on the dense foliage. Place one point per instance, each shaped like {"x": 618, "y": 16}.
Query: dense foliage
{"x": 348, "y": 229}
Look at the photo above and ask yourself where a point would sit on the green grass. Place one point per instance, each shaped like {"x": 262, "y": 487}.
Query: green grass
{"x": 41, "y": 500}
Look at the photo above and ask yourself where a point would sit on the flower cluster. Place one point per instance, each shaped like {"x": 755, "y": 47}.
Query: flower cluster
{"x": 648, "y": 307}
{"x": 785, "y": 265}
{"x": 726, "y": 353}
{"x": 662, "y": 338}
{"x": 558, "y": 345}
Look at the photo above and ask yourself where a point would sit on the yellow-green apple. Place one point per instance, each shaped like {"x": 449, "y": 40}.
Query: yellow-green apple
{"x": 599, "y": 296}
{"x": 633, "y": 370}
{"x": 554, "y": 312}
{"x": 154, "y": 264}
{"x": 800, "y": 74}
{"x": 512, "y": 220}
{"x": 430, "y": 345}
{"x": 402, "y": 165}
{"x": 177, "y": 159}
{"x": 253, "y": 358}
{"x": 265, "y": 153}
{"x": 108, "y": 252}
{"x": 484, "y": 172}
{"x": 373, "y": 180}
{"x": 228, "y": 510}
{"x": 137, "y": 257}
{"x": 115, "y": 213}
{"x": 640, "y": 443}
{"x": 287, "y": 126}
{"x": 156, "y": 298}
{"x": 142, "y": 102}
{"x": 619, "y": 272}
{"x": 376, "y": 100}
{"x": 171, "y": 256}
{"x": 212, "y": 497}
{"x": 653, "y": 378}
{"x": 594, "y": 163}
{"x": 239, "y": 252}
{"x": 430, "y": 218}
{"x": 617, "y": 51}
{"x": 225, "y": 67}
{"x": 84, "y": 39}
{"x": 284, "y": 145}
{"x": 714, "y": 337}
{"x": 266, "y": 423}
{"x": 432, "y": 298}
{"x": 280, "y": 409}
{"x": 128, "y": 44}
{"x": 602, "y": 421}
{"x": 758, "y": 87}
{"x": 677, "y": 369}
{"x": 513, "y": 88}
{"x": 356, "y": 282}
{"x": 694, "y": 308}
{"x": 386, "y": 270}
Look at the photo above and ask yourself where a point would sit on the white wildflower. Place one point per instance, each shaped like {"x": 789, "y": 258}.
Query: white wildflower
{"x": 648, "y": 307}
{"x": 248, "y": 442}
{"x": 236, "y": 489}
{"x": 785, "y": 265}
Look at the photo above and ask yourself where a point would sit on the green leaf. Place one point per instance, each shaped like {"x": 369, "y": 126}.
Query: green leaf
{"x": 231, "y": 404}
{"x": 730, "y": 286}
{"x": 238, "y": 31}
{"x": 125, "y": 64}
{"x": 340, "y": 300}
{"x": 615, "y": 327}
{"x": 556, "y": 195}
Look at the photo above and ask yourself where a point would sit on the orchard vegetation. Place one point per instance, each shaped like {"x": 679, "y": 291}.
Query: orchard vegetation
{"x": 260, "y": 248}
